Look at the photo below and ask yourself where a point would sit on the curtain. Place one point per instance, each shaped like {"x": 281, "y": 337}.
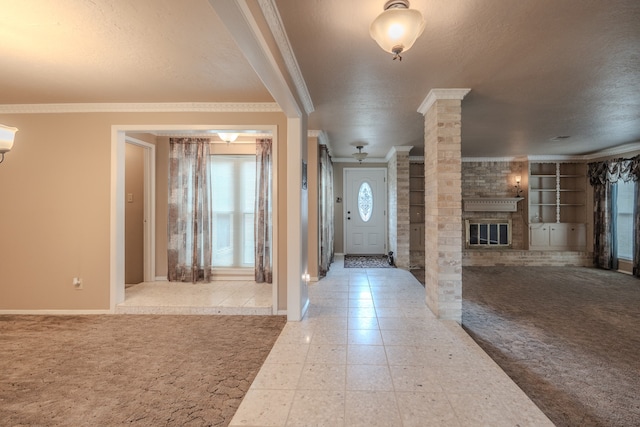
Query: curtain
{"x": 263, "y": 237}
{"x": 190, "y": 211}
{"x": 326, "y": 211}
{"x": 602, "y": 176}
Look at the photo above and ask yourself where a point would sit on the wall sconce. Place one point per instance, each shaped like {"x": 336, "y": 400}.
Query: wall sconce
{"x": 228, "y": 137}
{"x": 360, "y": 155}
{"x": 517, "y": 186}
{"x": 7, "y": 135}
{"x": 397, "y": 28}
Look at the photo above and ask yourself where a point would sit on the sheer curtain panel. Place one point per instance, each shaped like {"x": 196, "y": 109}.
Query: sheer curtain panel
{"x": 263, "y": 230}
{"x": 326, "y": 211}
{"x": 190, "y": 211}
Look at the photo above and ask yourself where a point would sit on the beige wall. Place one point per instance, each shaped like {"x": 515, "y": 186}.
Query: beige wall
{"x": 338, "y": 189}
{"x": 134, "y": 214}
{"x": 55, "y": 209}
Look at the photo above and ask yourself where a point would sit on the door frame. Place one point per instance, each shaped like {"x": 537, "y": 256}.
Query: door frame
{"x": 386, "y": 207}
{"x": 117, "y": 201}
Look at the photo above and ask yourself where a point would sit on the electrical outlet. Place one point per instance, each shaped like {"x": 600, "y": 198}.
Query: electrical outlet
{"x": 77, "y": 283}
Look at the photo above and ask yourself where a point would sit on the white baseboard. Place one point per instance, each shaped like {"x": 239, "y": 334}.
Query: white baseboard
{"x": 161, "y": 279}
{"x": 282, "y": 312}
{"x": 55, "y": 312}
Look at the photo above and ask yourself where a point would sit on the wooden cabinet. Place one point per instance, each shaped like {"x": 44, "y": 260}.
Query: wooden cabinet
{"x": 557, "y": 192}
{"x": 558, "y": 236}
{"x": 557, "y": 206}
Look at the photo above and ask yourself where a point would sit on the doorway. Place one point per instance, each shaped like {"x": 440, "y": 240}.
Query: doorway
{"x": 365, "y": 221}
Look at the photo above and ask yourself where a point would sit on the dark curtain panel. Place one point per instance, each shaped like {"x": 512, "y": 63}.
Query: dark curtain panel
{"x": 636, "y": 227}
{"x": 190, "y": 211}
{"x": 263, "y": 221}
{"x": 602, "y": 176}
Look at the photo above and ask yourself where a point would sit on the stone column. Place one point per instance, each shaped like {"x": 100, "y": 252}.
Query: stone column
{"x": 402, "y": 256}
{"x": 442, "y": 109}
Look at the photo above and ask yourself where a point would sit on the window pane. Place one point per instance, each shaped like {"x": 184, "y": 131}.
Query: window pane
{"x": 504, "y": 237}
{"x": 624, "y": 219}
{"x": 483, "y": 234}
{"x": 473, "y": 234}
{"x": 365, "y": 201}
{"x": 233, "y": 200}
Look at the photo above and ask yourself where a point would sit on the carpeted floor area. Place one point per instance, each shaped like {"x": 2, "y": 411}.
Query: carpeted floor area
{"x": 569, "y": 337}
{"x": 137, "y": 370}
{"x": 366, "y": 261}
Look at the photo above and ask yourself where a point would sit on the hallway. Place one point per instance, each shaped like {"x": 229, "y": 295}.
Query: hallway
{"x": 370, "y": 353}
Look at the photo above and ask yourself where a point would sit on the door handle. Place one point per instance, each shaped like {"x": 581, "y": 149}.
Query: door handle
{"x": 348, "y": 217}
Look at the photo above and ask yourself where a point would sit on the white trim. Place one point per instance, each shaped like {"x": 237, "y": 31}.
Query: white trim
{"x": 397, "y": 149}
{"x": 494, "y": 159}
{"x": 116, "y": 218}
{"x": 274, "y": 21}
{"x": 162, "y": 279}
{"x": 435, "y": 94}
{"x": 352, "y": 160}
{"x": 491, "y": 204}
{"x": 280, "y": 312}
{"x": 55, "y": 312}
{"x": 614, "y": 151}
{"x": 149, "y": 252}
{"x": 143, "y": 107}
{"x": 416, "y": 159}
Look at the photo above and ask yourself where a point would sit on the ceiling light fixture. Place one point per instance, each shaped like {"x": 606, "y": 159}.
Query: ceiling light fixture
{"x": 397, "y": 28}
{"x": 228, "y": 137}
{"x": 360, "y": 155}
{"x": 7, "y": 135}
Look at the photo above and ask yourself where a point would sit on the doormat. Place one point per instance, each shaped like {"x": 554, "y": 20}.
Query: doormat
{"x": 366, "y": 261}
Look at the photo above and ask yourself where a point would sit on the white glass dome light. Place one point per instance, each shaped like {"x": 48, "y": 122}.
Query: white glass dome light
{"x": 397, "y": 28}
{"x": 7, "y": 135}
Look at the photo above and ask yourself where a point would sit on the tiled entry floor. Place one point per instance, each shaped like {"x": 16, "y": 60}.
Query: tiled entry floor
{"x": 370, "y": 353}
{"x": 232, "y": 297}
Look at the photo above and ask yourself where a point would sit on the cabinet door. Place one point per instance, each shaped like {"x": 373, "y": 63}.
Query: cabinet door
{"x": 559, "y": 235}
{"x": 539, "y": 235}
{"x": 577, "y": 236}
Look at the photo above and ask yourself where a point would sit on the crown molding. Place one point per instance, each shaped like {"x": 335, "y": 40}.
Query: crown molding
{"x": 274, "y": 21}
{"x": 398, "y": 149}
{"x": 161, "y": 107}
{"x": 353, "y": 160}
{"x": 615, "y": 151}
{"x": 436, "y": 94}
{"x": 494, "y": 159}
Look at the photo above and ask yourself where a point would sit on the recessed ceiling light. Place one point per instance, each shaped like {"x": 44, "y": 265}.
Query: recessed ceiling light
{"x": 560, "y": 138}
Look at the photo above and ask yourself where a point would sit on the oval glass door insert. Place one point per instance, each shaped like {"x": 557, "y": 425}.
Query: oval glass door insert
{"x": 365, "y": 201}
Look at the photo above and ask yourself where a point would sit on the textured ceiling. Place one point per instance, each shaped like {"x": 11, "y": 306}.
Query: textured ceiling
{"x": 537, "y": 69}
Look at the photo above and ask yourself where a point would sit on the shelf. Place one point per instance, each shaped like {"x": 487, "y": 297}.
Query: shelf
{"x": 492, "y": 204}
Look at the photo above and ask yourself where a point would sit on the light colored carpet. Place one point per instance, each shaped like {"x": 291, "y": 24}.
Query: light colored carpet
{"x": 569, "y": 337}
{"x": 139, "y": 370}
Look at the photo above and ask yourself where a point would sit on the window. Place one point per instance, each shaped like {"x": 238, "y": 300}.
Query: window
{"x": 365, "y": 201}
{"x": 623, "y": 219}
{"x": 233, "y": 199}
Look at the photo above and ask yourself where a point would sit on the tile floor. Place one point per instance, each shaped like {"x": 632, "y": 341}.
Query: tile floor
{"x": 233, "y": 297}
{"x": 370, "y": 353}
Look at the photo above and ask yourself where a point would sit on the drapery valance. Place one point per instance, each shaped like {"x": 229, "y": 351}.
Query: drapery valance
{"x": 611, "y": 171}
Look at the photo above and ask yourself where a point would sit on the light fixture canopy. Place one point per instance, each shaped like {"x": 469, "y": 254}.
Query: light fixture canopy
{"x": 360, "y": 155}
{"x": 397, "y": 28}
{"x": 228, "y": 137}
{"x": 7, "y": 135}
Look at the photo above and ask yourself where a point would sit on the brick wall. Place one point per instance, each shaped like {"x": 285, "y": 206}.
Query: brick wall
{"x": 497, "y": 257}
{"x": 497, "y": 179}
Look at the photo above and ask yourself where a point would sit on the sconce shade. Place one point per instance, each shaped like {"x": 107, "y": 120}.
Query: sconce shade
{"x": 397, "y": 28}
{"x": 7, "y": 134}
{"x": 228, "y": 137}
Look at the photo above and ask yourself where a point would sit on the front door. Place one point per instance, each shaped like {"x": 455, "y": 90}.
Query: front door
{"x": 365, "y": 211}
